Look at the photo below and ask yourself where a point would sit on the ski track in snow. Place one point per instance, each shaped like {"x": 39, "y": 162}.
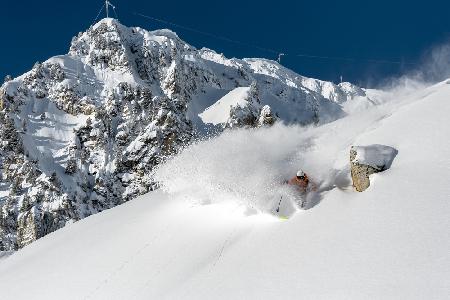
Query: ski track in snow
{"x": 124, "y": 264}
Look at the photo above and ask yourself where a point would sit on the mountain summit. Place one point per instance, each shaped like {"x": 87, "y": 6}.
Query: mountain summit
{"x": 82, "y": 132}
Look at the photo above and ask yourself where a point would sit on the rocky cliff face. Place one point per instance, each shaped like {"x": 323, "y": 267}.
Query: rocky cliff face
{"x": 82, "y": 132}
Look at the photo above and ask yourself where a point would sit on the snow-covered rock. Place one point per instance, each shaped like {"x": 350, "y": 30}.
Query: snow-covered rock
{"x": 367, "y": 160}
{"x": 91, "y": 125}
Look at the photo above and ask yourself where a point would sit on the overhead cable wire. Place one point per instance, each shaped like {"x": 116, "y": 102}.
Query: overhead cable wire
{"x": 114, "y": 10}
{"x": 100, "y": 11}
{"x": 209, "y": 34}
{"x": 354, "y": 59}
{"x": 277, "y": 52}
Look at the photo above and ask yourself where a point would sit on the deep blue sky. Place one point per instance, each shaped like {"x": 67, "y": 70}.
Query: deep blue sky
{"x": 386, "y": 30}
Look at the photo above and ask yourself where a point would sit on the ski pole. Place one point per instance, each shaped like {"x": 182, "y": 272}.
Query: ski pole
{"x": 279, "y": 203}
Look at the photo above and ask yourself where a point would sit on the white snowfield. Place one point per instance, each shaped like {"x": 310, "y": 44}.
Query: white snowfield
{"x": 198, "y": 239}
{"x": 219, "y": 112}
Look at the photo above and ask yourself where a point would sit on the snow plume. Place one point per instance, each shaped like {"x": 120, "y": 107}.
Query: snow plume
{"x": 249, "y": 166}
{"x": 434, "y": 67}
{"x": 243, "y": 166}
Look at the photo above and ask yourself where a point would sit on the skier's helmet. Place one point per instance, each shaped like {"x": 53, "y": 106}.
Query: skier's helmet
{"x": 301, "y": 174}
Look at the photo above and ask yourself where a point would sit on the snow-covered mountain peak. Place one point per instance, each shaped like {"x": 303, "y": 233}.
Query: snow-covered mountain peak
{"x": 83, "y": 132}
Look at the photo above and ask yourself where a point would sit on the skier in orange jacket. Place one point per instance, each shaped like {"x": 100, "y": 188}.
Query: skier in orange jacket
{"x": 303, "y": 185}
{"x": 302, "y": 182}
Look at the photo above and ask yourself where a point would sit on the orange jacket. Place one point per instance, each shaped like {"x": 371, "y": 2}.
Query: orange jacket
{"x": 302, "y": 184}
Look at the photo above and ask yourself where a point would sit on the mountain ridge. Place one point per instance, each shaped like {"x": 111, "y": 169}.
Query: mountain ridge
{"x": 82, "y": 132}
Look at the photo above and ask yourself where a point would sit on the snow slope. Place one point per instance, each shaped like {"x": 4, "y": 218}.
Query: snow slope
{"x": 389, "y": 242}
{"x": 219, "y": 112}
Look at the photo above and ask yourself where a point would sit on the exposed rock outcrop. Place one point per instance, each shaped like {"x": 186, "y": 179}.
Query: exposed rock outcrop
{"x": 367, "y": 160}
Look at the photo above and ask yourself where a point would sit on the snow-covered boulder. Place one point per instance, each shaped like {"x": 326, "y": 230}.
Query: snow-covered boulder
{"x": 367, "y": 160}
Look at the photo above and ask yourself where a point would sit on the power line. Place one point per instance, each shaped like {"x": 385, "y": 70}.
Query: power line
{"x": 355, "y": 59}
{"x": 209, "y": 34}
{"x": 273, "y": 51}
{"x": 99, "y": 12}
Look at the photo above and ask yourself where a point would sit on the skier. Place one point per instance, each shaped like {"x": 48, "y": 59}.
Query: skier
{"x": 302, "y": 182}
{"x": 304, "y": 186}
